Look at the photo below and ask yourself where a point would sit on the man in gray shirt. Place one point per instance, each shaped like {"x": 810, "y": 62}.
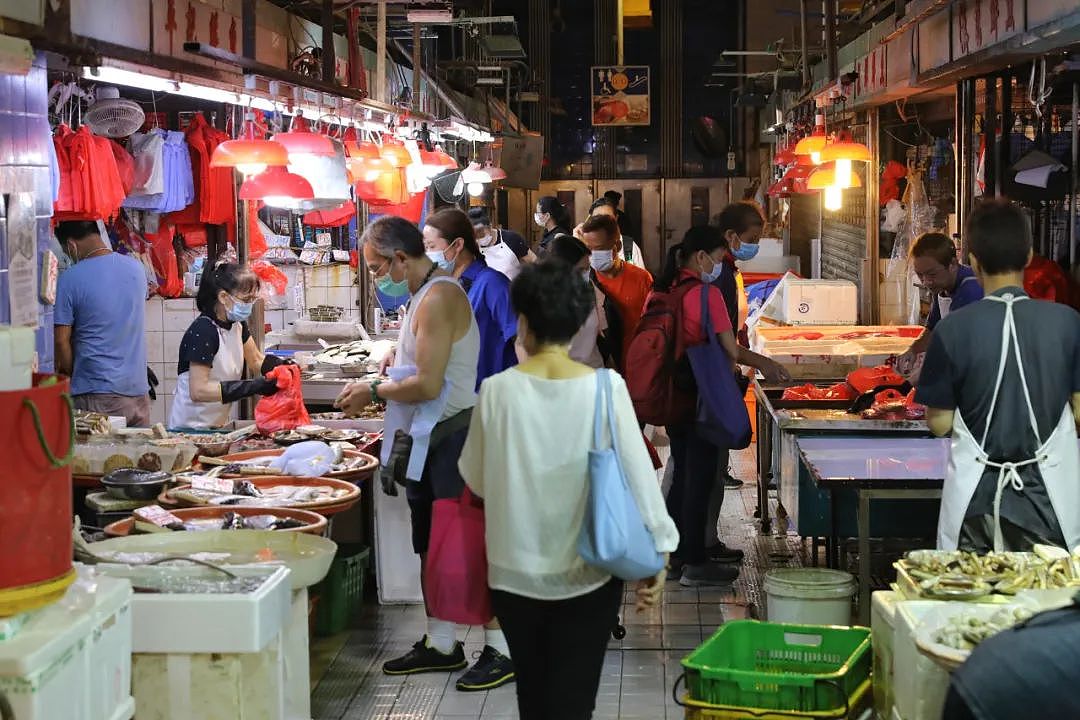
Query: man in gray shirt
{"x": 1002, "y": 375}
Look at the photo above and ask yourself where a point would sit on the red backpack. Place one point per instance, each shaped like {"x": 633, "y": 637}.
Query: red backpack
{"x": 652, "y": 360}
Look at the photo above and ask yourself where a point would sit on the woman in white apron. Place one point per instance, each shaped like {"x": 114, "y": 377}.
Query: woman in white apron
{"x": 1001, "y": 377}
{"x": 217, "y": 348}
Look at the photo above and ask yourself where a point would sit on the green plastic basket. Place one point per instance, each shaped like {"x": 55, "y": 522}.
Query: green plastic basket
{"x": 342, "y": 590}
{"x": 774, "y": 666}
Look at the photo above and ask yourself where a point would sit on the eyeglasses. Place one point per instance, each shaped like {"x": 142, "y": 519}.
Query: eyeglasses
{"x": 378, "y": 272}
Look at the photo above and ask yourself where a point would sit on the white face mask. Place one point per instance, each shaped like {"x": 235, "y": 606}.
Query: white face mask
{"x": 602, "y": 260}
{"x": 487, "y": 240}
{"x": 540, "y": 218}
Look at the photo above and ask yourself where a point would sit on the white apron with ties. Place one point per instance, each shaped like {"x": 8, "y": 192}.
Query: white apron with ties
{"x": 228, "y": 365}
{"x": 1057, "y": 457}
{"x": 500, "y": 257}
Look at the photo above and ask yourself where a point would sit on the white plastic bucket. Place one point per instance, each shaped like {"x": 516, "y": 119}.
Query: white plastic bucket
{"x": 809, "y": 596}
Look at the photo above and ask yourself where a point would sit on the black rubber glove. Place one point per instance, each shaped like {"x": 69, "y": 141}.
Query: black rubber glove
{"x": 152, "y": 381}
{"x": 272, "y": 361}
{"x": 233, "y": 390}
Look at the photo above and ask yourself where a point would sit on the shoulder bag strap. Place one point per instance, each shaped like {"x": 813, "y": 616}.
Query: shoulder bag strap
{"x": 706, "y": 319}
{"x": 598, "y": 423}
{"x": 610, "y": 410}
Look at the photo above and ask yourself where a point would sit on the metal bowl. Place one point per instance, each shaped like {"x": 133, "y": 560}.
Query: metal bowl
{"x": 133, "y": 484}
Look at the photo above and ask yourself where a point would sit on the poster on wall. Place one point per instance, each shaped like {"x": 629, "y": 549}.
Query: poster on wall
{"x": 620, "y": 95}
{"x": 22, "y": 259}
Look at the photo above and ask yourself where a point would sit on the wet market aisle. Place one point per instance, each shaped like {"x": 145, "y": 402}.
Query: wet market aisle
{"x": 639, "y": 670}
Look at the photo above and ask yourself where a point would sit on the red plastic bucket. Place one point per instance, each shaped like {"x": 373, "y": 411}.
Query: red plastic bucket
{"x": 38, "y": 431}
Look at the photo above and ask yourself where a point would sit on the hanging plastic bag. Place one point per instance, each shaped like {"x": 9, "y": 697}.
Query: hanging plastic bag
{"x": 900, "y": 276}
{"x": 284, "y": 410}
{"x": 456, "y": 571}
{"x": 163, "y": 254}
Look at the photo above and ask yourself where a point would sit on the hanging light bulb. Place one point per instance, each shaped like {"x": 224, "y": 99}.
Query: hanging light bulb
{"x": 814, "y": 143}
{"x": 834, "y": 198}
{"x": 249, "y": 154}
{"x": 843, "y": 152}
{"x": 476, "y": 189}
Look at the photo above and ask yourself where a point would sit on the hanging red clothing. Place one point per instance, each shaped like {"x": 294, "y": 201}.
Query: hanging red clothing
{"x": 215, "y": 200}
{"x": 125, "y": 165}
{"x": 65, "y": 202}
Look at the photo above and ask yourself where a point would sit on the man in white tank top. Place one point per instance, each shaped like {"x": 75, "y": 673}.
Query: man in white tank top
{"x": 440, "y": 339}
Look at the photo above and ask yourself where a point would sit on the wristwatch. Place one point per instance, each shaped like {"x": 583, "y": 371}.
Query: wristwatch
{"x": 375, "y": 399}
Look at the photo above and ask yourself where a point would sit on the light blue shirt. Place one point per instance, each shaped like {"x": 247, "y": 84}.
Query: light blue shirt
{"x": 103, "y": 300}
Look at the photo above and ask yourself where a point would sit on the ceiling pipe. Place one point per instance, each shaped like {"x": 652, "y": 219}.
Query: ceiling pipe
{"x": 802, "y": 42}
{"x": 830, "y": 37}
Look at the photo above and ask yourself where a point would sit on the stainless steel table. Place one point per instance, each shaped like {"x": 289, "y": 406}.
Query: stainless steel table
{"x": 778, "y": 430}
{"x": 876, "y": 469}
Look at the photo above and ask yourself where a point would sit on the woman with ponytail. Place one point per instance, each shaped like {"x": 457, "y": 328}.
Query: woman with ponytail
{"x": 698, "y": 260}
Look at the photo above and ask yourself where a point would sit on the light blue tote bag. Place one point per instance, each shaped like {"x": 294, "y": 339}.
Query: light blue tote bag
{"x": 613, "y": 535}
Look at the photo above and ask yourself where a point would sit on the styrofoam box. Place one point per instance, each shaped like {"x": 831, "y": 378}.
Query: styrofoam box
{"x": 920, "y": 684}
{"x": 882, "y": 632}
{"x": 193, "y": 623}
{"x": 51, "y": 668}
{"x": 211, "y": 686}
{"x": 818, "y": 302}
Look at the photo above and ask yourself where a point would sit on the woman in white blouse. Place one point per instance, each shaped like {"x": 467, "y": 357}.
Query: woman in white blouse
{"x": 527, "y": 456}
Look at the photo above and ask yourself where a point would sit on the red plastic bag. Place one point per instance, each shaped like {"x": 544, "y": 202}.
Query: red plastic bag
{"x": 271, "y": 276}
{"x": 456, "y": 569}
{"x": 866, "y": 379}
{"x": 284, "y": 410}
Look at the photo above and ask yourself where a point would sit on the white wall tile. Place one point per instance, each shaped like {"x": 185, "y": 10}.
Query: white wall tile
{"x": 177, "y": 318}
{"x": 153, "y": 315}
{"x": 290, "y": 316}
{"x": 172, "y": 345}
{"x": 155, "y": 347}
{"x": 170, "y": 370}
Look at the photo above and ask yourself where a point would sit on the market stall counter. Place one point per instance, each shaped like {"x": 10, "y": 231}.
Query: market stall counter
{"x": 780, "y": 425}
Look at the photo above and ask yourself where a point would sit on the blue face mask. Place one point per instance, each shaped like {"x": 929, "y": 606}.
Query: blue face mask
{"x": 746, "y": 251}
{"x": 240, "y": 311}
{"x": 713, "y": 275}
{"x": 439, "y": 258}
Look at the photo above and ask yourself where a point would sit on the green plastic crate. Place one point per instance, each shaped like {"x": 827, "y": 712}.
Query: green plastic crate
{"x": 341, "y": 591}
{"x": 774, "y": 666}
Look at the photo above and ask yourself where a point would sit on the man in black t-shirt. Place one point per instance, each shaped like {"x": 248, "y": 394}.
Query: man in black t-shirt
{"x": 1002, "y": 375}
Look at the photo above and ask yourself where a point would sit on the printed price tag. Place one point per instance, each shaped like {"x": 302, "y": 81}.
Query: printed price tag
{"x": 156, "y": 515}
{"x": 212, "y": 484}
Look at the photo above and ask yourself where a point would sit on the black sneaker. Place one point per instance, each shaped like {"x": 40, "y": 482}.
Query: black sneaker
{"x": 423, "y": 659}
{"x": 708, "y": 574}
{"x": 492, "y": 670}
{"x": 721, "y": 553}
{"x": 675, "y": 568}
{"x": 730, "y": 481}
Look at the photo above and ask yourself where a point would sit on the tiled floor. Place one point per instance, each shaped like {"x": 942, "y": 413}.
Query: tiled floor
{"x": 639, "y": 670}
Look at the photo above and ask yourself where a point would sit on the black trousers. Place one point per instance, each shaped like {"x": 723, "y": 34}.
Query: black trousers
{"x": 696, "y": 461}
{"x": 558, "y": 649}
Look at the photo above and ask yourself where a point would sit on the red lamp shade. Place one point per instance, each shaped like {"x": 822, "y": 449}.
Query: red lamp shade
{"x": 845, "y": 150}
{"x": 825, "y": 176}
{"x": 811, "y": 144}
{"x": 394, "y": 152}
{"x": 444, "y": 159}
{"x": 495, "y": 173}
{"x": 300, "y": 139}
{"x": 249, "y": 154}
{"x": 275, "y": 186}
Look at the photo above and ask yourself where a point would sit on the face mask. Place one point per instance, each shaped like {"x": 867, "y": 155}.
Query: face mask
{"x": 712, "y": 276}
{"x": 746, "y": 251}
{"x": 540, "y": 219}
{"x": 240, "y": 311}
{"x": 392, "y": 288}
{"x": 486, "y": 240}
{"x": 439, "y": 258}
{"x": 602, "y": 260}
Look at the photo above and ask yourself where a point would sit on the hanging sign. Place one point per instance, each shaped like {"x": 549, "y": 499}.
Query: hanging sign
{"x": 620, "y": 95}
{"x": 22, "y": 259}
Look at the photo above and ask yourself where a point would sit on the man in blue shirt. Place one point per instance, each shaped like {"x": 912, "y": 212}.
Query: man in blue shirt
{"x": 934, "y": 259}
{"x": 99, "y": 333}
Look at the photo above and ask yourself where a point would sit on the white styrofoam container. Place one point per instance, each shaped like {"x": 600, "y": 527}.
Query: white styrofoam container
{"x": 817, "y": 302}
{"x": 109, "y": 652}
{"x": 920, "y": 684}
{"x": 48, "y": 671}
{"x": 211, "y": 686}
{"x": 16, "y": 357}
{"x": 882, "y": 640}
{"x": 195, "y": 623}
